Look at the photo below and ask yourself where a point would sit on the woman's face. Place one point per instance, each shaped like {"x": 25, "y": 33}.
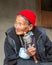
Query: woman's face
{"x": 21, "y": 25}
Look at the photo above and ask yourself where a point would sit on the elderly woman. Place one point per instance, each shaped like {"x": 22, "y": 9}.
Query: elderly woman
{"x": 40, "y": 47}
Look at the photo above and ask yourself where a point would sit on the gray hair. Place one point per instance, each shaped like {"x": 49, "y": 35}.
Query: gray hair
{"x": 25, "y": 19}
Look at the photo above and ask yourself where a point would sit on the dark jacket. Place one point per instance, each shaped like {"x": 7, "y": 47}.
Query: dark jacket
{"x": 12, "y": 45}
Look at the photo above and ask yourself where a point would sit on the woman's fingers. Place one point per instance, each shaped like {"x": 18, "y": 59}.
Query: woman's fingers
{"x": 31, "y": 50}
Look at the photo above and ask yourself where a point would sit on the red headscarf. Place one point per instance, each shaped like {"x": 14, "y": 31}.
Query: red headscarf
{"x": 29, "y": 14}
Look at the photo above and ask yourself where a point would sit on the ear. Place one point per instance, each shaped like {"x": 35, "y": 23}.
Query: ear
{"x": 30, "y": 27}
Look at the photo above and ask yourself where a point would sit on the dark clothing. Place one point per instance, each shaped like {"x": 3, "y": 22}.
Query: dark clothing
{"x": 12, "y": 46}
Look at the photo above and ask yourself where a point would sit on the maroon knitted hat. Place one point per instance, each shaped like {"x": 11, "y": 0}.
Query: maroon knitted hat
{"x": 29, "y": 14}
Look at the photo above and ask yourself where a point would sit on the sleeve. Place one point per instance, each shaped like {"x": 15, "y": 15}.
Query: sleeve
{"x": 10, "y": 55}
{"x": 48, "y": 49}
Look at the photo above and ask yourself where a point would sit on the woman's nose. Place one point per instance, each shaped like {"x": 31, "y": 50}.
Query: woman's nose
{"x": 16, "y": 26}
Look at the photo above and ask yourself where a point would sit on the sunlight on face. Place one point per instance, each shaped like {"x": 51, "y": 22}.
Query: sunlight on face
{"x": 21, "y": 25}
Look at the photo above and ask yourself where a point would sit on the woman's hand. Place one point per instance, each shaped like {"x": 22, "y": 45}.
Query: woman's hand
{"x": 31, "y": 50}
